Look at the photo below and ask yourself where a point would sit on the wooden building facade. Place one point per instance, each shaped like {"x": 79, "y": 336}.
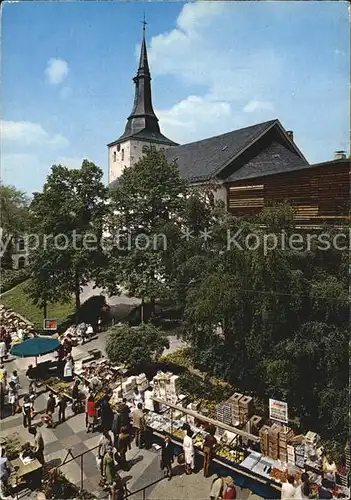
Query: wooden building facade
{"x": 318, "y": 193}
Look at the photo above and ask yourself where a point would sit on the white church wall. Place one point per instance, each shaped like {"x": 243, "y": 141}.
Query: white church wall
{"x": 119, "y": 159}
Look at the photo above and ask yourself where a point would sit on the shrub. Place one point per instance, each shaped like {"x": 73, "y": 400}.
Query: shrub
{"x": 132, "y": 346}
{"x": 12, "y": 277}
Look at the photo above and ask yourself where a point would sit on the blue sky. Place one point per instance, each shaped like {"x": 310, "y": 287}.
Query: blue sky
{"x": 67, "y": 73}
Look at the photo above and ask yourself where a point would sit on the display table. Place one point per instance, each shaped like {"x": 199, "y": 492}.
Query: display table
{"x": 19, "y": 470}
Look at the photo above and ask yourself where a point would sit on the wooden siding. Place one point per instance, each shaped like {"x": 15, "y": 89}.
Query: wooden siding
{"x": 318, "y": 194}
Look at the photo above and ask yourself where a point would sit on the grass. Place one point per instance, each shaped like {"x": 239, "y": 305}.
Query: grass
{"x": 18, "y": 300}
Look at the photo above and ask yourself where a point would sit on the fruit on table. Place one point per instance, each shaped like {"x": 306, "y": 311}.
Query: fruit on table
{"x": 178, "y": 434}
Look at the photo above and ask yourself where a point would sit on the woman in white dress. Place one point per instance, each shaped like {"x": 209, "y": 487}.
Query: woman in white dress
{"x": 68, "y": 369}
{"x": 149, "y": 404}
{"x": 189, "y": 452}
{"x": 3, "y": 351}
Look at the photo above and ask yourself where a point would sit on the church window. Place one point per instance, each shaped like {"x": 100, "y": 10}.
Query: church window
{"x": 118, "y": 147}
{"x": 122, "y": 154}
{"x": 114, "y": 155}
{"x": 145, "y": 149}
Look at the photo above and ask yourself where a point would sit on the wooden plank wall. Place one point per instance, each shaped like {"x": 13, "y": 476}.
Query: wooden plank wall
{"x": 317, "y": 194}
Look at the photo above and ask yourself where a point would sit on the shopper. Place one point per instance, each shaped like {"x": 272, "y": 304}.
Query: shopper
{"x": 68, "y": 369}
{"x": 104, "y": 443}
{"x": 304, "y": 489}
{"x": 123, "y": 442}
{"x": 91, "y": 413}
{"x": 217, "y": 488}
{"x": 62, "y": 405}
{"x": 138, "y": 425}
{"x": 125, "y": 413}
{"x": 229, "y": 491}
{"x": 2, "y": 400}
{"x": 27, "y": 411}
{"x": 117, "y": 489}
{"x": 13, "y": 397}
{"x": 15, "y": 379}
{"x": 31, "y": 376}
{"x": 116, "y": 427}
{"x": 106, "y": 414}
{"x": 50, "y": 410}
{"x": 324, "y": 491}
{"x": 189, "y": 452}
{"x": 5, "y": 471}
{"x": 3, "y": 351}
{"x": 38, "y": 444}
{"x": 109, "y": 467}
{"x": 288, "y": 488}
{"x": 75, "y": 396}
{"x": 167, "y": 456}
{"x": 209, "y": 447}
{"x": 3, "y": 375}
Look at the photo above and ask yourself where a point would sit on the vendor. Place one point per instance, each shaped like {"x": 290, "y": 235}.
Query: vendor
{"x": 149, "y": 404}
{"x": 137, "y": 397}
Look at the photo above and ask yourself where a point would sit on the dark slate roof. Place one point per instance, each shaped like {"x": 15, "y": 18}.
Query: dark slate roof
{"x": 274, "y": 159}
{"x": 203, "y": 159}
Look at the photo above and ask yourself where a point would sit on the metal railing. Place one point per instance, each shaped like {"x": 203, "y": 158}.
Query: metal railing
{"x": 126, "y": 493}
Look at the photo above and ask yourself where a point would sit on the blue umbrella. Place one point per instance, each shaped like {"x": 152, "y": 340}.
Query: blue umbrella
{"x": 36, "y": 346}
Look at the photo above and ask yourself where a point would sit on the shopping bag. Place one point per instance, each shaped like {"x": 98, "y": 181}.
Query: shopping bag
{"x": 181, "y": 458}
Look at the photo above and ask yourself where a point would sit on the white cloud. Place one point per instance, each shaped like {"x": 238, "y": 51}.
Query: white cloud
{"x": 56, "y": 71}
{"x": 27, "y": 133}
{"x": 187, "y": 120}
{"x": 254, "y": 105}
{"x": 238, "y": 76}
{"x": 69, "y": 162}
{"x": 197, "y": 53}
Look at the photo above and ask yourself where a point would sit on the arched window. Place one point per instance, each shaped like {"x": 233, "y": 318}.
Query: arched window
{"x": 21, "y": 262}
{"x": 145, "y": 149}
{"x": 122, "y": 154}
{"x": 114, "y": 156}
{"x": 118, "y": 147}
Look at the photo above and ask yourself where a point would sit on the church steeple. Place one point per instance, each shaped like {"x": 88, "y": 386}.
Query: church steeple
{"x": 142, "y": 116}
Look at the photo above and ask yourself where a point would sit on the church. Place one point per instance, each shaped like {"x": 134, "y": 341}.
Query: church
{"x": 251, "y": 168}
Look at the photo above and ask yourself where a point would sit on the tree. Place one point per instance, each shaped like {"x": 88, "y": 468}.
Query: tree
{"x": 14, "y": 220}
{"x": 68, "y": 219}
{"x": 144, "y": 221}
{"x": 284, "y": 319}
{"x": 132, "y": 346}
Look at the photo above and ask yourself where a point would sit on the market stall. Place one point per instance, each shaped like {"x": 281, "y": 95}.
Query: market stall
{"x": 251, "y": 467}
{"x": 22, "y": 459}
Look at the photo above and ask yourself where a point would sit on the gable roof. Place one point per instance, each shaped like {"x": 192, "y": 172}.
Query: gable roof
{"x": 203, "y": 159}
{"x": 274, "y": 159}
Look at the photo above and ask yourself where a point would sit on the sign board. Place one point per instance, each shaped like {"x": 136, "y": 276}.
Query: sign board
{"x": 278, "y": 410}
{"x": 50, "y": 324}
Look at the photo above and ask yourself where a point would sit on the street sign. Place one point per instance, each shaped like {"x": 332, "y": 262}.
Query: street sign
{"x": 278, "y": 410}
{"x": 50, "y": 324}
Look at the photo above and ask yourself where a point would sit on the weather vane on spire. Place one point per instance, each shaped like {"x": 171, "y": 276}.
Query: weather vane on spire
{"x": 144, "y": 23}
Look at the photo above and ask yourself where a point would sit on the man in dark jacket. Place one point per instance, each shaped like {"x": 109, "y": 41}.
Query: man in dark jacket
{"x": 116, "y": 427}
{"x": 167, "y": 456}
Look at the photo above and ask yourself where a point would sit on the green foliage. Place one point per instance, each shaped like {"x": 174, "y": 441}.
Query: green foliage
{"x": 12, "y": 277}
{"x": 274, "y": 323}
{"x": 181, "y": 357}
{"x": 130, "y": 346}
{"x": 19, "y": 300}
{"x": 68, "y": 219}
{"x": 14, "y": 221}
{"x": 144, "y": 220}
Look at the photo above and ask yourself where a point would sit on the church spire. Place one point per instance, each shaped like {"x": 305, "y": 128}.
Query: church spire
{"x": 142, "y": 117}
